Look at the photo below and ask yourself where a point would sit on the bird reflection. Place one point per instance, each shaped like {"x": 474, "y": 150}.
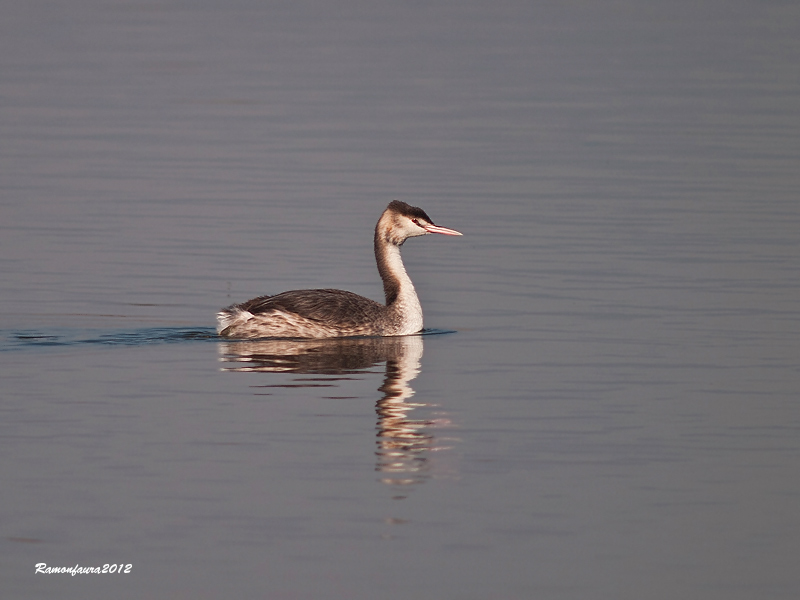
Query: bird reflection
{"x": 404, "y": 444}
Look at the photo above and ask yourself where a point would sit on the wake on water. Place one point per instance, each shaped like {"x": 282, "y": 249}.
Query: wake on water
{"x": 22, "y": 339}
{"x": 15, "y": 340}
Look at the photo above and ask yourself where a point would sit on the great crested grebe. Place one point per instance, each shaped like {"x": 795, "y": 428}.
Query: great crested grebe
{"x": 336, "y": 313}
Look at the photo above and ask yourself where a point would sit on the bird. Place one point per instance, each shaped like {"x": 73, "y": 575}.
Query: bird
{"x": 329, "y": 313}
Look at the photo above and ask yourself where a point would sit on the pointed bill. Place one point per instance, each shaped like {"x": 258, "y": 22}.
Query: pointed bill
{"x": 442, "y": 230}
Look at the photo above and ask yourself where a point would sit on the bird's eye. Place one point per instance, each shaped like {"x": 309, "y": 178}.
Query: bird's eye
{"x": 416, "y": 222}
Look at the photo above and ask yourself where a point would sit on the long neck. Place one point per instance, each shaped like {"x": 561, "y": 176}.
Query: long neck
{"x": 397, "y": 286}
{"x": 402, "y": 304}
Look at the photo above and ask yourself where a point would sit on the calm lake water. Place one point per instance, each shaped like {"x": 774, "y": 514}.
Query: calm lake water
{"x": 607, "y": 404}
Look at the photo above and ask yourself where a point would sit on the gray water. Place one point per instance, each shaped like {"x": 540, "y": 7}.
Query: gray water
{"x": 610, "y": 406}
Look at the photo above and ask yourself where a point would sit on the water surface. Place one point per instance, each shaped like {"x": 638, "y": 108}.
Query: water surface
{"x": 613, "y": 411}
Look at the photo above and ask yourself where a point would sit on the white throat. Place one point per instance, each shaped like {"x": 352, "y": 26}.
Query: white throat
{"x": 407, "y": 303}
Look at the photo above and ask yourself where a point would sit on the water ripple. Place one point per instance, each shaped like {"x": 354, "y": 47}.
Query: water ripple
{"x": 31, "y": 338}
{"x": 16, "y": 340}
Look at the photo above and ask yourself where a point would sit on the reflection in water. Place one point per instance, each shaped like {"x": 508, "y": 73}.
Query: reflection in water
{"x": 404, "y": 445}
